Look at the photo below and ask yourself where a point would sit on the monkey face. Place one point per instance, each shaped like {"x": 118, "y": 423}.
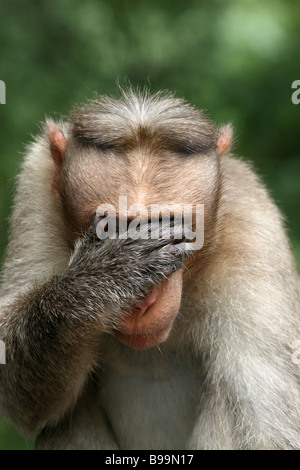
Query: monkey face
{"x": 144, "y": 179}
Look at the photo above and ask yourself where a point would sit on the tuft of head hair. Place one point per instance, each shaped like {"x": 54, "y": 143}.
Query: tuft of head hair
{"x": 140, "y": 118}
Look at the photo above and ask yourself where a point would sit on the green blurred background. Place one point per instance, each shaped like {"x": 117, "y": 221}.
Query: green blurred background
{"x": 235, "y": 58}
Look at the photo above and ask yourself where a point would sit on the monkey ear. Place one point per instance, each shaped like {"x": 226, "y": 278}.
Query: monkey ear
{"x": 58, "y": 143}
{"x": 224, "y": 139}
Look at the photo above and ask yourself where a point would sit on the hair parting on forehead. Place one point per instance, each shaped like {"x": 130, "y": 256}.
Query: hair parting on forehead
{"x": 138, "y": 118}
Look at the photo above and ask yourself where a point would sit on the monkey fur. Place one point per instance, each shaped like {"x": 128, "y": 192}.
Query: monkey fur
{"x": 119, "y": 344}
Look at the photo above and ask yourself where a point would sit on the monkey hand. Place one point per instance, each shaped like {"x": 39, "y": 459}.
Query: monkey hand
{"x": 116, "y": 273}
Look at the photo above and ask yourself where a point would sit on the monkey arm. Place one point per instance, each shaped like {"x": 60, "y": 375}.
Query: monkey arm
{"x": 248, "y": 315}
{"x": 52, "y": 331}
{"x": 250, "y": 397}
{"x": 50, "y": 350}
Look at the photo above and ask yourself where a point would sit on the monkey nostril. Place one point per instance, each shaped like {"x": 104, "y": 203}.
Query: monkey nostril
{"x": 141, "y": 307}
{"x": 138, "y": 311}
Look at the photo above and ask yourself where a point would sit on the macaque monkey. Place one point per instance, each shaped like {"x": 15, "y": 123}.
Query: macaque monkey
{"x": 138, "y": 343}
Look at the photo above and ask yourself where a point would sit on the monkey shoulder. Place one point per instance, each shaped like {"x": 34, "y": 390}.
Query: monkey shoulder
{"x": 245, "y": 197}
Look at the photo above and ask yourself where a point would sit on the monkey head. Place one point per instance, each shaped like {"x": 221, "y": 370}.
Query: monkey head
{"x": 154, "y": 150}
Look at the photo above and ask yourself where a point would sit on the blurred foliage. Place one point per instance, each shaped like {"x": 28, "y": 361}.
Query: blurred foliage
{"x": 10, "y": 439}
{"x": 237, "y": 59}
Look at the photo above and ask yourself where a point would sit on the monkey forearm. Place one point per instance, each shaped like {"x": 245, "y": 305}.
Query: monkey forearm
{"x": 51, "y": 336}
{"x": 52, "y": 332}
{"x": 255, "y": 412}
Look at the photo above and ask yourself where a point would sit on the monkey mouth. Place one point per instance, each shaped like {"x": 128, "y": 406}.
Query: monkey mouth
{"x": 144, "y": 340}
{"x": 149, "y": 322}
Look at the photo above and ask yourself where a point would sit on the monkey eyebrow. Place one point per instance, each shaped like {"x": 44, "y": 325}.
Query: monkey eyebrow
{"x": 187, "y": 144}
{"x": 97, "y": 141}
{"x": 189, "y": 147}
{"x": 177, "y": 144}
{"x": 186, "y": 138}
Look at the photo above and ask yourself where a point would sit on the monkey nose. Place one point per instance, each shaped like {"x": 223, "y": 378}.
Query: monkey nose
{"x": 141, "y": 307}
